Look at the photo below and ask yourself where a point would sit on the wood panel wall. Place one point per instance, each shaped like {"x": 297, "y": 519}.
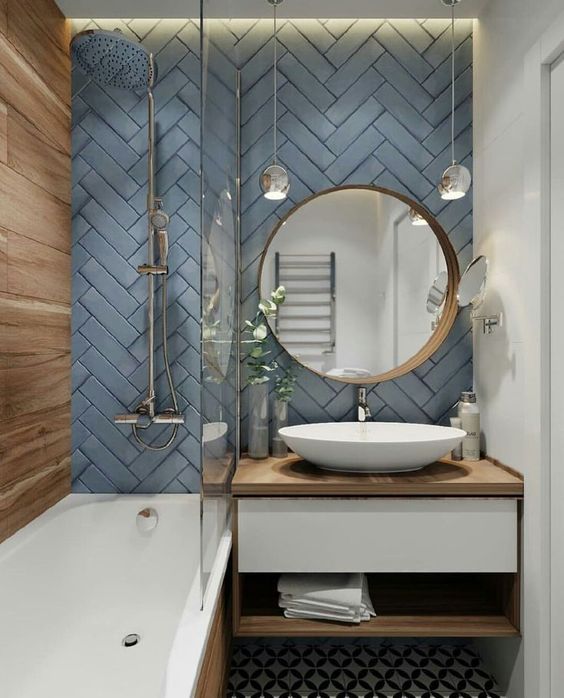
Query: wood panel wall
{"x": 214, "y": 674}
{"x": 35, "y": 245}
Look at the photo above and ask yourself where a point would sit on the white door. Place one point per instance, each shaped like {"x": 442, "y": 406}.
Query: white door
{"x": 557, "y": 371}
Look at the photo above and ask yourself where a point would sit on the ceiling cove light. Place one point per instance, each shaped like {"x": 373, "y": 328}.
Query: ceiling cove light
{"x": 274, "y": 180}
{"x": 456, "y": 179}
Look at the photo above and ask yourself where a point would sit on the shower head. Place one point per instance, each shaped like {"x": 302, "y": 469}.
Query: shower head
{"x": 111, "y": 59}
{"x": 159, "y": 219}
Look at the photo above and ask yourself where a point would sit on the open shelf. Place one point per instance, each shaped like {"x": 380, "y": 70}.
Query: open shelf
{"x": 416, "y": 605}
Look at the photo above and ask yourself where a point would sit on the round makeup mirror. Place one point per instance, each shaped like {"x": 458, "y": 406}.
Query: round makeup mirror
{"x": 357, "y": 273}
{"x": 472, "y": 287}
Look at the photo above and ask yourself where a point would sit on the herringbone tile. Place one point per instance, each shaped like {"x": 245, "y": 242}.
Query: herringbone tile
{"x": 109, "y": 240}
{"x": 361, "y": 101}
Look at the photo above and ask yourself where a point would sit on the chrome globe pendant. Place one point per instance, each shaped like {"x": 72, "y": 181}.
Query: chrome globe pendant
{"x": 274, "y": 180}
{"x": 456, "y": 179}
{"x": 416, "y": 218}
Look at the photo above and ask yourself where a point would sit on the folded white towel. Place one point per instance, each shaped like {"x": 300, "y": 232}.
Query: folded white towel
{"x": 318, "y": 611}
{"x": 341, "y": 597}
{"x": 349, "y": 372}
{"x": 366, "y": 600}
{"x": 314, "y": 615}
{"x": 338, "y": 589}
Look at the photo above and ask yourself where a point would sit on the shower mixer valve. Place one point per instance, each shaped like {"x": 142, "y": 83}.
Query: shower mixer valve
{"x": 145, "y": 414}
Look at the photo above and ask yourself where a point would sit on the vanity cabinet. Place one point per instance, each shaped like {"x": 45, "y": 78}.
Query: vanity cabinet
{"x": 440, "y": 547}
{"x": 377, "y": 535}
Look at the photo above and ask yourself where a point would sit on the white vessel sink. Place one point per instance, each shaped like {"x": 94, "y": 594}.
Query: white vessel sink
{"x": 371, "y": 447}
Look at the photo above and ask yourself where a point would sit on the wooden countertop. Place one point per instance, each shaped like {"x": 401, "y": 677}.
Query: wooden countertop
{"x": 294, "y": 476}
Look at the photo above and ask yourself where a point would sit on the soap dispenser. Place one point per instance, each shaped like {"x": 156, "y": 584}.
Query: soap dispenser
{"x": 469, "y": 414}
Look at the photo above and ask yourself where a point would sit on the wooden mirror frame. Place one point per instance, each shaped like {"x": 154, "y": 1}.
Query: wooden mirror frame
{"x": 450, "y": 308}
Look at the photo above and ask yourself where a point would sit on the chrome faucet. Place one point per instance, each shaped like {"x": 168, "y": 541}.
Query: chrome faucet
{"x": 364, "y": 413}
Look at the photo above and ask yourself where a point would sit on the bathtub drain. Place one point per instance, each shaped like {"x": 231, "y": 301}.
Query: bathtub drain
{"x": 131, "y": 640}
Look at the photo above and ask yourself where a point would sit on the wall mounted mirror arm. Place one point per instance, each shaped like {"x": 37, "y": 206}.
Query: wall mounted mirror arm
{"x": 472, "y": 292}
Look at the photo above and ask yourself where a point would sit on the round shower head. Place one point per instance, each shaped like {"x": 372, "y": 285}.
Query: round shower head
{"x": 159, "y": 219}
{"x": 111, "y": 59}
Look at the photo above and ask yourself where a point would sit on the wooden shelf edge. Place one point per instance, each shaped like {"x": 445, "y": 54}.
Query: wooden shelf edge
{"x": 510, "y": 492}
{"x": 382, "y": 626}
{"x": 293, "y": 477}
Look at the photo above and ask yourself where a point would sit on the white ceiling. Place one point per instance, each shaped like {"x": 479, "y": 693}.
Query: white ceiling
{"x": 260, "y": 8}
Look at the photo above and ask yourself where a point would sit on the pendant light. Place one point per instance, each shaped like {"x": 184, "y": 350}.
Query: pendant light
{"x": 274, "y": 180}
{"x": 456, "y": 179}
{"x": 416, "y": 218}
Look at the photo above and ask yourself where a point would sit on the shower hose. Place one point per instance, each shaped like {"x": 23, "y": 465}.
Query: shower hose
{"x": 135, "y": 427}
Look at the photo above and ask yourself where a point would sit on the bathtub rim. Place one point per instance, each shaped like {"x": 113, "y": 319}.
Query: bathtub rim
{"x": 72, "y": 501}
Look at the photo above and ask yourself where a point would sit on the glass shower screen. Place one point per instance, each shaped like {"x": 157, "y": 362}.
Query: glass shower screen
{"x": 220, "y": 276}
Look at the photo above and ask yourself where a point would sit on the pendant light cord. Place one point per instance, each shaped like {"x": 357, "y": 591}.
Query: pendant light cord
{"x": 452, "y": 84}
{"x": 275, "y": 87}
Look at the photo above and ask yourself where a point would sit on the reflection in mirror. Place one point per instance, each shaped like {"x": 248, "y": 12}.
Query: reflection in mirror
{"x": 437, "y": 294}
{"x": 472, "y": 287}
{"x": 357, "y": 274}
{"x": 218, "y": 290}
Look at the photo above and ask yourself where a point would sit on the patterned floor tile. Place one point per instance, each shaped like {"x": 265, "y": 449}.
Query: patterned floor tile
{"x": 359, "y": 669}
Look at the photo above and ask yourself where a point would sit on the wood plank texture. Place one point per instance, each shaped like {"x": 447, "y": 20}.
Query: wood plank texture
{"x": 27, "y": 499}
{"x": 495, "y": 625}
{"x": 35, "y": 241}
{"x": 3, "y": 262}
{"x": 23, "y": 89}
{"x": 212, "y": 682}
{"x": 34, "y": 383}
{"x": 31, "y": 154}
{"x": 37, "y": 270}
{"x": 30, "y": 326}
{"x": 27, "y": 442}
{"x": 3, "y": 133}
{"x": 41, "y": 34}
{"x": 33, "y": 212}
{"x": 294, "y": 476}
{"x": 3, "y": 16}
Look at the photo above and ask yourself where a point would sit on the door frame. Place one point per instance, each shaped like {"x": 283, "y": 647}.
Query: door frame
{"x": 543, "y": 672}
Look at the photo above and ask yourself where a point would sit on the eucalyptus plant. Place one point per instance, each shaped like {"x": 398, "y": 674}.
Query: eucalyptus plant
{"x": 286, "y": 383}
{"x": 258, "y": 363}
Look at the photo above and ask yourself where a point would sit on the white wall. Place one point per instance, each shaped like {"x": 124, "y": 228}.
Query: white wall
{"x": 418, "y": 260}
{"x": 507, "y": 364}
{"x": 557, "y": 367}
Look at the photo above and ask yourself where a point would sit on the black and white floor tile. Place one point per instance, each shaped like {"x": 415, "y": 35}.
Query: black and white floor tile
{"x": 358, "y": 669}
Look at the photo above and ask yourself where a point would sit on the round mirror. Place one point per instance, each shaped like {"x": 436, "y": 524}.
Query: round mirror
{"x": 472, "y": 287}
{"x": 357, "y": 273}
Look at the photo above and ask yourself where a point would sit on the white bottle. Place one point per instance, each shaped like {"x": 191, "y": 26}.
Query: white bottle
{"x": 469, "y": 414}
{"x": 456, "y": 423}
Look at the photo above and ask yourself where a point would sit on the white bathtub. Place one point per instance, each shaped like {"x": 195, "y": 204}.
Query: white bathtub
{"x": 82, "y": 576}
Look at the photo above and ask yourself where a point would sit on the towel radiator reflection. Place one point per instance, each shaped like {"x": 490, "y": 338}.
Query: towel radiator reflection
{"x": 307, "y": 319}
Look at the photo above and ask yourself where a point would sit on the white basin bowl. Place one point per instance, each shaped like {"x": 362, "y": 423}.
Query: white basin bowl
{"x": 371, "y": 447}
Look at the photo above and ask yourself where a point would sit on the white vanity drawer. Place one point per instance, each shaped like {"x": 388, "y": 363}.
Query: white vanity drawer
{"x": 377, "y": 535}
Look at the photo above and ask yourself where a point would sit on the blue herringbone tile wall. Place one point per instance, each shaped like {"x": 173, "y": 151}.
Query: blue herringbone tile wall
{"x": 109, "y": 238}
{"x": 361, "y": 101}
